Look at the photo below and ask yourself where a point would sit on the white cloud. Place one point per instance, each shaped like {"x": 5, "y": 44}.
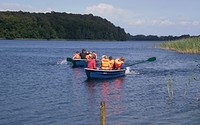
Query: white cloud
{"x": 160, "y": 22}
{"x": 15, "y": 7}
{"x": 185, "y": 21}
{"x": 124, "y": 18}
{"x": 135, "y": 22}
{"x": 109, "y": 12}
{"x": 22, "y": 7}
{"x": 103, "y": 8}
{"x": 196, "y": 23}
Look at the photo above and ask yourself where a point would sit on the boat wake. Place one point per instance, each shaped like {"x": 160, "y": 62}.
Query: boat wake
{"x": 62, "y": 62}
{"x": 131, "y": 72}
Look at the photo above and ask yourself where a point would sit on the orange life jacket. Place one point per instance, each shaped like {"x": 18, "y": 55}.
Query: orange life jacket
{"x": 118, "y": 63}
{"x": 105, "y": 64}
{"x": 76, "y": 56}
{"x": 111, "y": 62}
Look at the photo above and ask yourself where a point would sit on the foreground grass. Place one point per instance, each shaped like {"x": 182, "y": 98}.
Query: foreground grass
{"x": 188, "y": 45}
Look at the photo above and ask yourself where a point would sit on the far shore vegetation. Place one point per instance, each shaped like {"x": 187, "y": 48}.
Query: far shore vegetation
{"x": 57, "y": 25}
{"x": 187, "y": 45}
{"x": 15, "y": 25}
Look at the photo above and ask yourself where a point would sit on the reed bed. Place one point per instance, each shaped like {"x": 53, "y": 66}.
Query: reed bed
{"x": 188, "y": 45}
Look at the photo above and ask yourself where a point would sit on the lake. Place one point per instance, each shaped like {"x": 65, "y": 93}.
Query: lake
{"x": 38, "y": 86}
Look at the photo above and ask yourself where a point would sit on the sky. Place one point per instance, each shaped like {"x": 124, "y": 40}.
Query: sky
{"x": 147, "y": 17}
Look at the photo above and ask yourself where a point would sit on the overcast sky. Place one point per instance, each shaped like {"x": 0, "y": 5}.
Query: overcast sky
{"x": 148, "y": 17}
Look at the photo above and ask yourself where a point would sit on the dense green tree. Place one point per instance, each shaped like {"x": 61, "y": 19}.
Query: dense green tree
{"x": 54, "y": 25}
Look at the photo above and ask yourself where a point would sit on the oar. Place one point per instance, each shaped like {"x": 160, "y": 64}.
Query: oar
{"x": 148, "y": 60}
{"x": 70, "y": 59}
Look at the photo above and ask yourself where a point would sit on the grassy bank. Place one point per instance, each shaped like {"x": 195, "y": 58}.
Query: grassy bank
{"x": 188, "y": 45}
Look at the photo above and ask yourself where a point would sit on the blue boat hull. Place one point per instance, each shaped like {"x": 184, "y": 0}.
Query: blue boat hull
{"x": 104, "y": 74}
{"x": 80, "y": 63}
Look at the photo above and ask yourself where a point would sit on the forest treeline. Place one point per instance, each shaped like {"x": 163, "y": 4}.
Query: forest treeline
{"x": 58, "y": 25}
{"x": 157, "y": 38}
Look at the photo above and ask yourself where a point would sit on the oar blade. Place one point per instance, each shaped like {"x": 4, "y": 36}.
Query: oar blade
{"x": 151, "y": 59}
{"x": 69, "y": 59}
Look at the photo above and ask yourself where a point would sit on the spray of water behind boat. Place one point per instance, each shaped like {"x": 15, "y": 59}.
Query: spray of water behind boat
{"x": 130, "y": 71}
{"x": 62, "y": 62}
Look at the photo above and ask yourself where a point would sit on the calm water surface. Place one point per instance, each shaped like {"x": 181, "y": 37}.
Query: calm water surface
{"x": 38, "y": 87}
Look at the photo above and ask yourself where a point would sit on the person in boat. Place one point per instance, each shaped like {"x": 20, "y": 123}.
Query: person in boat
{"x": 105, "y": 63}
{"x": 111, "y": 62}
{"x": 76, "y": 55}
{"x": 88, "y": 55}
{"x": 83, "y": 54}
{"x": 94, "y": 53}
{"x": 119, "y": 63}
{"x": 91, "y": 62}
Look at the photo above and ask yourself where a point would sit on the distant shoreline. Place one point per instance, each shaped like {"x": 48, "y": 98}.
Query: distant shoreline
{"x": 74, "y": 40}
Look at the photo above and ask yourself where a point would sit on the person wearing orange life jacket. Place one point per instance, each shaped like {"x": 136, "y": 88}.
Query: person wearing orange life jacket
{"x": 119, "y": 63}
{"x": 76, "y": 55}
{"x": 111, "y": 62}
{"x": 105, "y": 63}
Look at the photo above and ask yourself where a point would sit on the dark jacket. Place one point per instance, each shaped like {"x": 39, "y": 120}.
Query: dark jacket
{"x": 83, "y": 55}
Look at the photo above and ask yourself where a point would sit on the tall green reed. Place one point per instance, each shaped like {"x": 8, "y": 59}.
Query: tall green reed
{"x": 188, "y": 45}
{"x": 170, "y": 89}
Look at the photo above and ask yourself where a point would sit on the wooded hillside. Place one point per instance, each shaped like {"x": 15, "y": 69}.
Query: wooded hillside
{"x": 55, "y": 25}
